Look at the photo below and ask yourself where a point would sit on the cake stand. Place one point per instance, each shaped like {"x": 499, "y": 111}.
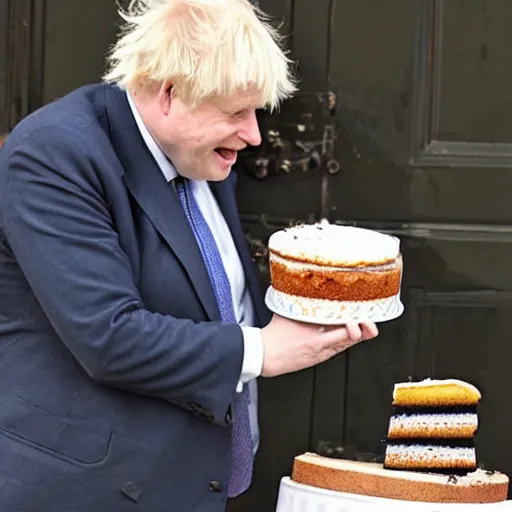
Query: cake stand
{"x": 295, "y": 497}
{"x": 324, "y": 312}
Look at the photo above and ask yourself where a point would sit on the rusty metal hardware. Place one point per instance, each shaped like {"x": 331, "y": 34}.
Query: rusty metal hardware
{"x": 300, "y": 138}
{"x": 333, "y": 167}
{"x": 258, "y": 227}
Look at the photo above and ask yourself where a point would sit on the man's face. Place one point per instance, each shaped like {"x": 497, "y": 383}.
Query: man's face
{"x": 203, "y": 142}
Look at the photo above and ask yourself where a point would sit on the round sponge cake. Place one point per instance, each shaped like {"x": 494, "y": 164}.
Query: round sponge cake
{"x": 327, "y": 271}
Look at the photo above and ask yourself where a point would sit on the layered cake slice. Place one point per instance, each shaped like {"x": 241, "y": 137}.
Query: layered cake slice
{"x": 433, "y": 426}
{"x": 328, "y": 271}
{"x": 430, "y": 455}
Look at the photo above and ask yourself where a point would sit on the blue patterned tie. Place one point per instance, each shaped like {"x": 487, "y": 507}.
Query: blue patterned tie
{"x": 242, "y": 449}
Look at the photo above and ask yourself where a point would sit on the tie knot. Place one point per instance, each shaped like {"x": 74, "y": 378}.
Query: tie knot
{"x": 180, "y": 184}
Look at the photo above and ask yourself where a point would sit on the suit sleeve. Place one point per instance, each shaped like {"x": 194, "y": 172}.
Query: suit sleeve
{"x": 58, "y": 227}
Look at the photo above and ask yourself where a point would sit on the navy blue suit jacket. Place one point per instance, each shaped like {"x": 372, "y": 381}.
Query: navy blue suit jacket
{"x": 116, "y": 375}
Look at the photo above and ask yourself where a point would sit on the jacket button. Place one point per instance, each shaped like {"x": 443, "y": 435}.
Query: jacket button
{"x": 132, "y": 491}
{"x": 215, "y": 486}
{"x": 229, "y": 417}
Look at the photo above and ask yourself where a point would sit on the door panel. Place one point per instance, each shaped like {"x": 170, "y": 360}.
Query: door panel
{"x": 471, "y": 67}
{"x": 78, "y": 35}
{"x": 20, "y": 60}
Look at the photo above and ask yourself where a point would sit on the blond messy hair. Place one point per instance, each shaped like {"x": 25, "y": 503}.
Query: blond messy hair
{"x": 204, "y": 48}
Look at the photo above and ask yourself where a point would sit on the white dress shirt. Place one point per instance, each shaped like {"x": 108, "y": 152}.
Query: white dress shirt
{"x": 242, "y": 303}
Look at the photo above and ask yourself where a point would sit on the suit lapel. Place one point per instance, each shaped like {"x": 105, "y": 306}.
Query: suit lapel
{"x": 156, "y": 197}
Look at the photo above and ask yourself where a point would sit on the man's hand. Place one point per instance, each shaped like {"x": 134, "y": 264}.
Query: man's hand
{"x": 290, "y": 346}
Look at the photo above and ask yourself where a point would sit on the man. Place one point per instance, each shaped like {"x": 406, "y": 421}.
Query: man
{"x": 131, "y": 323}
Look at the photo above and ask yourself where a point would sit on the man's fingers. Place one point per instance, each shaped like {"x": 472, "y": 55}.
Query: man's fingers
{"x": 350, "y": 333}
{"x": 369, "y": 330}
{"x": 354, "y": 331}
{"x": 338, "y": 338}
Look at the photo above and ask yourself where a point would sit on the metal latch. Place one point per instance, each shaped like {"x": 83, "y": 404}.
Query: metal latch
{"x": 300, "y": 138}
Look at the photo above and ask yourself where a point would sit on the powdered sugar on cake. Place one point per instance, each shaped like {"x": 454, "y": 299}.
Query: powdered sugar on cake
{"x": 335, "y": 245}
{"x": 430, "y": 455}
{"x": 433, "y": 423}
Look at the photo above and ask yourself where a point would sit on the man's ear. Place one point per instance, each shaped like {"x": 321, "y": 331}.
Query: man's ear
{"x": 165, "y": 97}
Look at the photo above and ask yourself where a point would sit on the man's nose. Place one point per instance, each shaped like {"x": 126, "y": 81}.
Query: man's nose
{"x": 250, "y": 131}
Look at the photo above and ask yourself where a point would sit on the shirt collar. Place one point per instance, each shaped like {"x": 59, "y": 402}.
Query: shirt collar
{"x": 163, "y": 162}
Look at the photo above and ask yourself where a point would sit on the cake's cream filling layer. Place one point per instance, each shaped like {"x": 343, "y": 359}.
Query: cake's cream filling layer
{"x": 331, "y": 243}
{"x": 299, "y": 266}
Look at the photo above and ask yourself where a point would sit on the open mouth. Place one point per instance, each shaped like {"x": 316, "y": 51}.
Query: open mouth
{"x": 227, "y": 154}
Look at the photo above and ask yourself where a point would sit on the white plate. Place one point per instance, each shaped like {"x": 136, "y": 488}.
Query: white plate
{"x": 328, "y": 312}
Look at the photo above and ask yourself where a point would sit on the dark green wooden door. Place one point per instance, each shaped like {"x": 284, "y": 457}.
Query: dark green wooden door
{"x": 407, "y": 107}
